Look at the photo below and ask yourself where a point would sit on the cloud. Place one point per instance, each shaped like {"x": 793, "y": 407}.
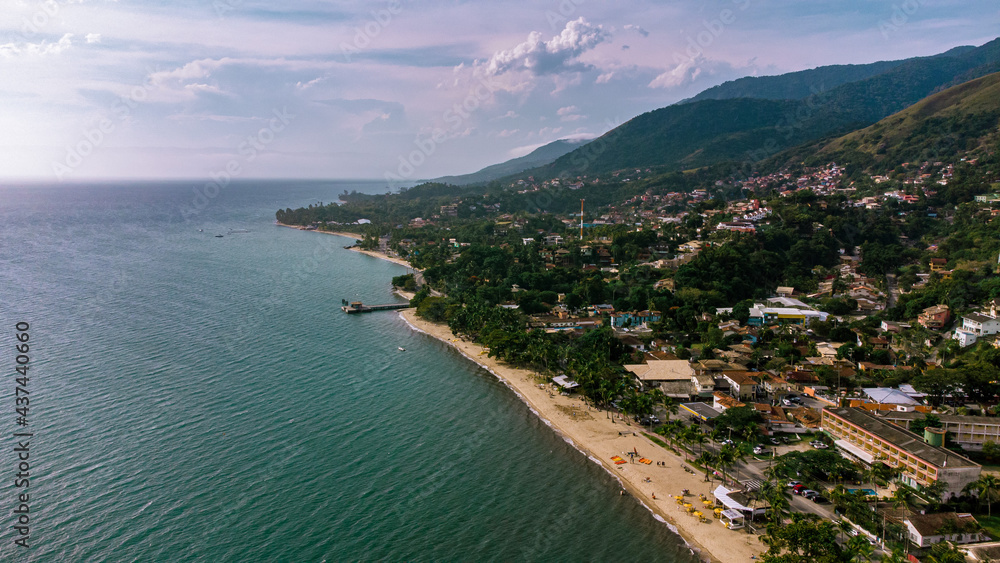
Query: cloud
{"x": 9, "y": 50}
{"x": 637, "y": 29}
{"x": 605, "y": 78}
{"x": 93, "y": 38}
{"x": 569, "y": 113}
{"x": 548, "y": 57}
{"x": 685, "y": 72}
{"x": 507, "y": 132}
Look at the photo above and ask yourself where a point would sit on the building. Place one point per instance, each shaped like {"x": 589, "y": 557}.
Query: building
{"x": 632, "y": 318}
{"x": 925, "y": 530}
{"x": 676, "y": 378}
{"x": 737, "y": 500}
{"x": 449, "y": 210}
{"x": 556, "y": 323}
{"x": 701, "y": 411}
{"x": 935, "y": 317}
{"x": 742, "y": 384}
{"x": 971, "y": 432}
{"x": 783, "y": 310}
{"x": 975, "y": 326}
{"x": 918, "y": 460}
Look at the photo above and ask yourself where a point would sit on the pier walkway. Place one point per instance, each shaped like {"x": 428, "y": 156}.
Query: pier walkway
{"x": 358, "y": 307}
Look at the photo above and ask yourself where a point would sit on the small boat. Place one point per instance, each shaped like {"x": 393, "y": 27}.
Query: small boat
{"x": 201, "y": 230}
{"x": 401, "y": 349}
{"x": 218, "y": 236}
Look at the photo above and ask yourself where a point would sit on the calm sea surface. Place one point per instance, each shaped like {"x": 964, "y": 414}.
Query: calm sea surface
{"x": 196, "y": 398}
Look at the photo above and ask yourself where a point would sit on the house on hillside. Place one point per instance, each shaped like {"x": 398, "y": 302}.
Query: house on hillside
{"x": 935, "y": 317}
{"x": 975, "y": 326}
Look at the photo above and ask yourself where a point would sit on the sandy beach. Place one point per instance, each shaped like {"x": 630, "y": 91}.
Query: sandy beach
{"x": 600, "y": 437}
{"x": 354, "y": 237}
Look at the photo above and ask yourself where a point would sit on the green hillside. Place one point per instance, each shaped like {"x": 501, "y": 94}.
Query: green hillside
{"x": 705, "y": 132}
{"x": 940, "y": 126}
{"x": 793, "y": 85}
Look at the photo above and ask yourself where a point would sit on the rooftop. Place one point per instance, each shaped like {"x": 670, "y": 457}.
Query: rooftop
{"x": 662, "y": 370}
{"x": 950, "y": 418}
{"x": 903, "y": 439}
{"x": 701, "y": 409}
{"x": 885, "y": 395}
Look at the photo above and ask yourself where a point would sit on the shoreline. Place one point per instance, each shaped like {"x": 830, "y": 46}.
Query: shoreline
{"x": 598, "y": 438}
{"x": 352, "y": 236}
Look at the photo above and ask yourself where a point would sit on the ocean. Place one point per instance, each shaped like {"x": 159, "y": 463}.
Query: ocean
{"x": 203, "y": 398}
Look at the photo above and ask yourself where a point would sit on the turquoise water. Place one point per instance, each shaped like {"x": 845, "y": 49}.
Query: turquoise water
{"x": 197, "y": 398}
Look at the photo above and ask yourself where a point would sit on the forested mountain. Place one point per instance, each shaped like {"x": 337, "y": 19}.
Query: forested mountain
{"x": 804, "y": 83}
{"x": 793, "y": 85}
{"x": 704, "y": 132}
{"x": 539, "y": 157}
{"x": 939, "y": 127}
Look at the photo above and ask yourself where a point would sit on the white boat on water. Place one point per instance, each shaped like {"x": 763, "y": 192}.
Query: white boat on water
{"x": 401, "y": 349}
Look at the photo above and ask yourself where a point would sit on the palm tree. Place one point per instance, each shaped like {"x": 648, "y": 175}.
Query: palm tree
{"x": 698, "y": 437}
{"x": 859, "y": 549}
{"x": 945, "y": 552}
{"x": 986, "y": 488}
{"x": 739, "y": 456}
{"x": 707, "y": 460}
{"x": 897, "y": 556}
{"x": 901, "y": 498}
{"x": 843, "y": 527}
{"x": 727, "y": 455}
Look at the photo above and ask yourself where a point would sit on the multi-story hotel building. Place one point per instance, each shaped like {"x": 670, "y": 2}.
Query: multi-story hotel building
{"x": 919, "y": 460}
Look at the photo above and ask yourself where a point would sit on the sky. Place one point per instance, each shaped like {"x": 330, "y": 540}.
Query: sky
{"x": 397, "y": 89}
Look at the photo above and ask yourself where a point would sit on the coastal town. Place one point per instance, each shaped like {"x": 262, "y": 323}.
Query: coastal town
{"x": 788, "y": 359}
{"x": 857, "y": 405}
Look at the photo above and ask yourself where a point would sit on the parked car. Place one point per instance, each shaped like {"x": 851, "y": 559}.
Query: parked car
{"x": 819, "y": 445}
{"x": 726, "y": 442}
{"x": 786, "y": 402}
{"x": 797, "y": 489}
{"x": 774, "y": 441}
{"x": 809, "y": 493}
{"x": 760, "y": 450}
{"x": 794, "y": 483}
{"x": 819, "y": 499}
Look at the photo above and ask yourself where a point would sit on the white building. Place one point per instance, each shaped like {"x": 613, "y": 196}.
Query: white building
{"x": 977, "y": 325}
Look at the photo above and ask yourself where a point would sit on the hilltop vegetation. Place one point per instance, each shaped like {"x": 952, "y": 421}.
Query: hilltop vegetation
{"x": 709, "y": 131}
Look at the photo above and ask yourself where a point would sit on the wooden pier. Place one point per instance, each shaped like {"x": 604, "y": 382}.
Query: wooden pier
{"x": 358, "y": 307}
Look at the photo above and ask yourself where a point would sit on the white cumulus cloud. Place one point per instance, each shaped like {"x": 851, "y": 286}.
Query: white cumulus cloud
{"x": 9, "y": 50}
{"x": 637, "y": 29}
{"x": 548, "y": 57}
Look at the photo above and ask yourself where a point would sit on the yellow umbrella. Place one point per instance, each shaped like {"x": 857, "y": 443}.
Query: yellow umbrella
{"x": 707, "y": 502}
{"x": 698, "y": 514}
